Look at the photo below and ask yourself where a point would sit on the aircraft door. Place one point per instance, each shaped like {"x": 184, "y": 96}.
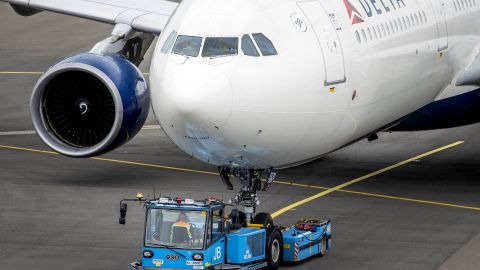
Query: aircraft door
{"x": 441, "y": 18}
{"x": 327, "y": 37}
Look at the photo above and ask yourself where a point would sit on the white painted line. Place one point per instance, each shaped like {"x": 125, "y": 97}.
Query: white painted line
{"x": 30, "y": 132}
{"x": 147, "y": 127}
{"x": 13, "y": 133}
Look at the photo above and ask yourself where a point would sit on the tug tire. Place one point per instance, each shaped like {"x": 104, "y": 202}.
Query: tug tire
{"x": 323, "y": 247}
{"x": 274, "y": 253}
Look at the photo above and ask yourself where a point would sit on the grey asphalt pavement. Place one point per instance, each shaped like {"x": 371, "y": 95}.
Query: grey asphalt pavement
{"x": 62, "y": 213}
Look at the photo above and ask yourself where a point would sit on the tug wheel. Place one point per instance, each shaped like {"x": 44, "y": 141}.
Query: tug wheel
{"x": 274, "y": 250}
{"x": 323, "y": 248}
{"x": 263, "y": 218}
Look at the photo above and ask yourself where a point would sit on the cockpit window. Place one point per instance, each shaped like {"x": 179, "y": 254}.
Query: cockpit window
{"x": 248, "y": 47}
{"x": 264, "y": 44}
{"x": 187, "y": 45}
{"x": 220, "y": 46}
{"x": 167, "y": 46}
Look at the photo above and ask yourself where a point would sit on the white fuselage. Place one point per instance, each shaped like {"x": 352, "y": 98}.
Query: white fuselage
{"x": 344, "y": 70}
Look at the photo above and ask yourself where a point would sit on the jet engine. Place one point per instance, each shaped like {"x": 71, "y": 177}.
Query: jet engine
{"x": 89, "y": 104}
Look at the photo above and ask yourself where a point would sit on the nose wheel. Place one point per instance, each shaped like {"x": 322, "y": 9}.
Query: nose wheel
{"x": 251, "y": 182}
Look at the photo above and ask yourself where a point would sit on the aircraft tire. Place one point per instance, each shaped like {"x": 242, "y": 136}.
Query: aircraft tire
{"x": 263, "y": 218}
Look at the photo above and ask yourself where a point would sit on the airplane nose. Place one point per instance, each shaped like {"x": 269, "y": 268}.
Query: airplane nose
{"x": 201, "y": 92}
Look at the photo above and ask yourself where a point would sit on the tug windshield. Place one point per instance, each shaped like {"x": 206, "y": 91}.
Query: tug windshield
{"x": 175, "y": 228}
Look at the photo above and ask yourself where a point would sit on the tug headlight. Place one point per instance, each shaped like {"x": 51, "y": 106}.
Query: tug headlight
{"x": 147, "y": 253}
{"x": 197, "y": 257}
{"x": 139, "y": 196}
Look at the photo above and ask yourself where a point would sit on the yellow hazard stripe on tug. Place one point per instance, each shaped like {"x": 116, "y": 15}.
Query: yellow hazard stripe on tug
{"x": 295, "y": 252}
{"x": 356, "y": 180}
{"x": 253, "y": 225}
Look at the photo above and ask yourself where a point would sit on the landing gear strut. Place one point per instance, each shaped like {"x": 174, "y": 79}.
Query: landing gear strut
{"x": 251, "y": 182}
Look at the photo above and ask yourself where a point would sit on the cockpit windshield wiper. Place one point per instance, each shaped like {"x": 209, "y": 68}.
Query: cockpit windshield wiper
{"x": 168, "y": 247}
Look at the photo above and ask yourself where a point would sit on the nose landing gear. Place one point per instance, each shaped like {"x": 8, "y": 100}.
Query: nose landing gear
{"x": 251, "y": 182}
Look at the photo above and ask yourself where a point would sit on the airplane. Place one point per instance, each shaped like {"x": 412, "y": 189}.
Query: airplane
{"x": 258, "y": 85}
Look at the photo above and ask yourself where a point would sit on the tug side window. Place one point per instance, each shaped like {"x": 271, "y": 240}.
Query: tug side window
{"x": 208, "y": 233}
{"x": 248, "y": 47}
{"x": 217, "y": 225}
{"x": 264, "y": 44}
{"x": 187, "y": 45}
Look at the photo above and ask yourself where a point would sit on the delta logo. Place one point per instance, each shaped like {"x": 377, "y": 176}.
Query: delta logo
{"x": 353, "y": 13}
{"x": 371, "y": 8}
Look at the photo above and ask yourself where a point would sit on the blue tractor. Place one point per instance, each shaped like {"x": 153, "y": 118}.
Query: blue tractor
{"x": 197, "y": 234}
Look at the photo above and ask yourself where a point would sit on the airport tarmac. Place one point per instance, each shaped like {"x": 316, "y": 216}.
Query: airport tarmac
{"x": 414, "y": 202}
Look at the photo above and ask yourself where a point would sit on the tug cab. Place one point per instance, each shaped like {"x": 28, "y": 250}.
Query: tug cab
{"x": 183, "y": 233}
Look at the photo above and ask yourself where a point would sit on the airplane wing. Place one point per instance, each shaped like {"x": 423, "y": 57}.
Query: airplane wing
{"x": 148, "y": 16}
{"x": 471, "y": 74}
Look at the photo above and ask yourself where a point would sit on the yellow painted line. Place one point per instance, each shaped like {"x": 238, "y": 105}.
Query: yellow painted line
{"x": 114, "y": 160}
{"x": 298, "y": 185}
{"x": 411, "y": 200}
{"x": 154, "y": 166}
{"x": 28, "y": 149}
{"x": 384, "y": 196}
{"x": 276, "y": 181}
{"x": 32, "y": 73}
{"x": 351, "y": 182}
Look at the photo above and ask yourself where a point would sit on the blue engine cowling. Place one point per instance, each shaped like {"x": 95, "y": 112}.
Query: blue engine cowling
{"x": 89, "y": 104}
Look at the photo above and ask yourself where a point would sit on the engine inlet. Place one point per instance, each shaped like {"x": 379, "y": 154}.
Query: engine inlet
{"x": 78, "y": 108}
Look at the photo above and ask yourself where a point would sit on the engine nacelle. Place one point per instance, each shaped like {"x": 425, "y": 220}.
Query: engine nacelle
{"x": 90, "y": 104}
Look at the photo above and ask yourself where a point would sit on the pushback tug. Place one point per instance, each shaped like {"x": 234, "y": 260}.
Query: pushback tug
{"x": 196, "y": 234}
